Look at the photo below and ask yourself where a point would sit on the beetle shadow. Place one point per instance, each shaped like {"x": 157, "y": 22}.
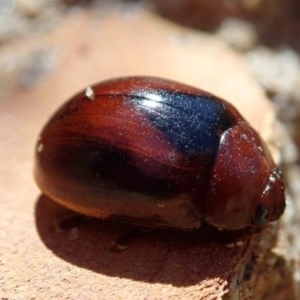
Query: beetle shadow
{"x": 166, "y": 256}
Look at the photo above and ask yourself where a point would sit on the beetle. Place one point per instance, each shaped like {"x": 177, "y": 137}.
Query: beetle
{"x": 158, "y": 153}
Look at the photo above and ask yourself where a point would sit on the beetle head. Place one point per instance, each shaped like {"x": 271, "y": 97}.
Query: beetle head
{"x": 246, "y": 188}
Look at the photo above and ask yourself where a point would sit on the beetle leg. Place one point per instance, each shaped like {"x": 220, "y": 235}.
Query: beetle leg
{"x": 70, "y": 222}
{"x": 121, "y": 243}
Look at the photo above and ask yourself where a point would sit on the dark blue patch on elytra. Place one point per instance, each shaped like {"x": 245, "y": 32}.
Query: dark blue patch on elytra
{"x": 192, "y": 123}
